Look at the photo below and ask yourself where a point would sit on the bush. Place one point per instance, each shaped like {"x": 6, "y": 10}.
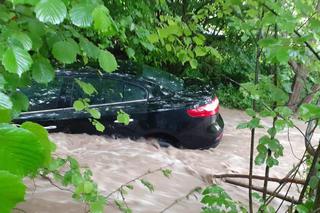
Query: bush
{"x": 230, "y": 96}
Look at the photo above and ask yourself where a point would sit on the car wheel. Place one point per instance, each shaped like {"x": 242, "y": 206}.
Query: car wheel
{"x": 164, "y": 142}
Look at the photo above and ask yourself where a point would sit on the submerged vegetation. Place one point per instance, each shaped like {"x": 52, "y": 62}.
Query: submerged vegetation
{"x": 261, "y": 56}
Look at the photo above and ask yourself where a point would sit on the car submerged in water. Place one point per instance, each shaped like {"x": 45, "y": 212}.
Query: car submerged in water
{"x": 159, "y": 104}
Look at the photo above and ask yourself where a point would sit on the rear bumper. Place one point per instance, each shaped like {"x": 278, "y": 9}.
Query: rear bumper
{"x": 206, "y": 133}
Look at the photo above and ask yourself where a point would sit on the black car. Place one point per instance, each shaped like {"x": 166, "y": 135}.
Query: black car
{"x": 159, "y": 105}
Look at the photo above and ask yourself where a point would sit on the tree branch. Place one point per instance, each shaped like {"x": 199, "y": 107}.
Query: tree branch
{"x": 260, "y": 189}
{"x": 55, "y": 185}
{"x": 194, "y": 190}
{"x": 258, "y": 177}
{"x": 137, "y": 178}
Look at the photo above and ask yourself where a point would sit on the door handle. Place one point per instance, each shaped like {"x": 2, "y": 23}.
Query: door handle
{"x": 116, "y": 121}
{"x": 50, "y": 127}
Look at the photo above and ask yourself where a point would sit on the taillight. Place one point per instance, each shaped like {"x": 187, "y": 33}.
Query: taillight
{"x": 209, "y": 109}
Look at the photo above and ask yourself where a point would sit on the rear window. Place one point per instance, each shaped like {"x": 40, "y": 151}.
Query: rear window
{"x": 163, "y": 78}
{"x": 133, "y": 92}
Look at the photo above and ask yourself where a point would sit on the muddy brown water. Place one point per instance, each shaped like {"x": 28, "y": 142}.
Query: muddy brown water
{"x": 114, "y": 162}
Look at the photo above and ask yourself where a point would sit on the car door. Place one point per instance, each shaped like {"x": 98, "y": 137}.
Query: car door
{"x": 135, "y": 99}
{"x": 44, "y": 104}
{"x": 107, "y": 100}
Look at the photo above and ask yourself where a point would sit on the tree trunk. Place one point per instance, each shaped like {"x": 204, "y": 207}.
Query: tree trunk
{"x": 298, "y": 84}
{"x": 315, "y": 88}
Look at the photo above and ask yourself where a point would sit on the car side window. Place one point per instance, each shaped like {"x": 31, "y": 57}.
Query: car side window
{"x": 44, "y": 96}
{"x": 77, "y": 93}
{"x": 133, "y": 92}
{"x": 112, "y": 90}
{"x": 109, "y": 91}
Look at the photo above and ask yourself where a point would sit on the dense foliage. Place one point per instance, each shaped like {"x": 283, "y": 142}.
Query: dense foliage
{"x": 284, "y": 36}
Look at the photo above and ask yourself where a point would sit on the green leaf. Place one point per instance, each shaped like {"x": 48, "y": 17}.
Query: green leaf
{"x": 309, "y": 111}
{"x": 88, "y": 187}
{"x": 20, "y": 102}
{"x": 199, "y": 40}
{"x": 81, "y": 14}
{"x": 122, "y": 206}
{"x": 56, "y": 164}
{"x": 280, "y": 125}
{"x": 5, "y": 115}
{"x": 51, "y": 11}
{"x": 94, "y": 113}
{"x": 254, "y": 123}
{"x": 303, "y": 209}
{"x": 194, "y": 63}
{"x": 153, "y": 38}
{"x": 42, "y": 70}
{"x": 214, "y": 52}
{"x": 2, "y": 82}
{"x": 20, "y": 150}
{"x": 166, "y": 172}
{"x": 257, "y": 197}
{"x": 284, "y": 111}
{"x": 36, "y": 27}
{"x": 78, "y": 105}
{"x": 16, "y": 60}
{"x": 200, "y": 51}
{"x": 37, "y": 42}
{"x": 30, "y": 2}
{"x": 99, "y": 126}
{"x": 43, "y": 137}
{"x": 147, "y": 184}
{"x": 107, "y": 61}
{"x": 123, "y": 117}
{"x": 23, "y": 39}
{"x": 282, "y": 55}
{"x": 274, "y": 145}
{"x": 5, "y": 102}
{"x": 267, "y": 113}
{"x": 242, "y": 126}
{"x": 102, "y": 20}
{"x": 86, "y": 87}
{"x": 272, "y": 132}
{"x": 65, "y": 51}
{"x": 12, "y": 191}
{"x": 264, "y": 140}
{"x": 278, "y": 95}
{"x": 130, "y": 52}
{"x": 250, "y": 112}
{"x": 314, "y": 181}
{"x": 129, "y": 186}
{"x": 91, "y": 50}
{"x": 268, "y": 42}
{"x": 262, "y": 149}
{"x": 260, "y": 159}
{"x": 98, "y": 205}
{"x": 272, "y": 162}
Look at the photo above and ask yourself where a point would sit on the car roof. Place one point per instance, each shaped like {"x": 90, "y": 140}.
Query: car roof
{"x": 129, "y": 71}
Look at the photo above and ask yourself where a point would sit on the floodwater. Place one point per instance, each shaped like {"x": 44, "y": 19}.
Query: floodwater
{"x": 115, "y": 162}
